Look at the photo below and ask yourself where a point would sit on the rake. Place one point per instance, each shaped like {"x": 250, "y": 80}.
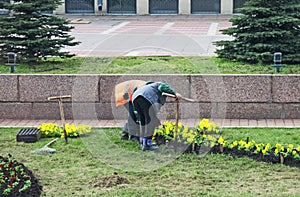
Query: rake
{"x": 45, "y": 149}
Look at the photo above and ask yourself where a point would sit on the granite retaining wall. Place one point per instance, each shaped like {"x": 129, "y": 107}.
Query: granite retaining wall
{"x": 218, "y": 96}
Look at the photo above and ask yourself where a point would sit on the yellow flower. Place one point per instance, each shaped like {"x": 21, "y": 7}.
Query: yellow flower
{"x": 294, "y": 152}
{"x": 167, "y": 131}
{"x": 268, "y": 146}
{"x": 298, "y": 148}
{"x": 190, "y": 139}
{"x": 291, "y": 146}
{"x": 235, "y": 143}
{"x": 212, "y": 144}
{"x": 221, "y": 140}
{"x": 204, "y": 124}
{"x": 264, "y": 151}
{"x": 211, "y": 138}
{"x": 258, "y": 147}
{"x": 242, "y": 143}
{"x": 248, "y": 145}
{"x": 212, "y": 126}
{"x": 179, "y": 124}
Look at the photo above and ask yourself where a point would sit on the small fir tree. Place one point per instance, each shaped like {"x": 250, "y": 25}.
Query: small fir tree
{"x": 32, "y": 34}
{"x": 263, "y": 28}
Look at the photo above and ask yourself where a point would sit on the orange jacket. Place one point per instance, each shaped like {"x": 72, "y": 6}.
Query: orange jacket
{"x": 126, "y": 87}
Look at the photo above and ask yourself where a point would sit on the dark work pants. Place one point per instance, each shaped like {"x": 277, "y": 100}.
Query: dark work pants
{"x": 131, "y": 126}
{"x": 147, "y": 116}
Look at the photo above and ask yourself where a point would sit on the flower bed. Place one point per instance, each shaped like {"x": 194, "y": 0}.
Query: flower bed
{"x": 16, "y": 179}
{"x": 53, "y": 130}
{"x": 206, "y": 136}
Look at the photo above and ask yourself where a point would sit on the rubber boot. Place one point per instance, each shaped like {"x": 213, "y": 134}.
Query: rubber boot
{"x": 148, "y": 145}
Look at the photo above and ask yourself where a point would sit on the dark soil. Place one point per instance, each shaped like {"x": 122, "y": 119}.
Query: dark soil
{"x": 33, "y": 191}
{"x": 109, "y": 181}
{"x": 186, "y": 149}
{"x": 271, "y": 158}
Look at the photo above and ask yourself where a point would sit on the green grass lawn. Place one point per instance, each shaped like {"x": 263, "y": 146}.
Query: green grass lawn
{"x": 85, "y": 167}
{"x": 146, "y": 65}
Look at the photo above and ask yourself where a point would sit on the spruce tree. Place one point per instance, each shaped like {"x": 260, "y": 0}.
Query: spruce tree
{"x": 31, "y": 33}
{"x": 263, "y": 28}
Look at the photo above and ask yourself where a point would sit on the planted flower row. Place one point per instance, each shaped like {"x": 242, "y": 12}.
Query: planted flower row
{"x": 13, "y": 176}
{"x": 54, "y": 130}
{"x": 207, "y": 133}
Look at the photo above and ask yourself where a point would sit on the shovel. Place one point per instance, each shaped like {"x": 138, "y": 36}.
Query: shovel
{"x": 61, "y": 110}
{"x": 177, "y": 108}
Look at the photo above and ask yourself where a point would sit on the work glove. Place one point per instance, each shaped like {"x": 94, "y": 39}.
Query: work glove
{"x": 178, "y": 96}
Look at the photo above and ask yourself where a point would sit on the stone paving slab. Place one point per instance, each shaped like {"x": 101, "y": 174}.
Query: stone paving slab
{"x": 226, "y": 123}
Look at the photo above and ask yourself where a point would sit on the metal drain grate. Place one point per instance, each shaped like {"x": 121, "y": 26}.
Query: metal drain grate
{"x": 29, "y": 135}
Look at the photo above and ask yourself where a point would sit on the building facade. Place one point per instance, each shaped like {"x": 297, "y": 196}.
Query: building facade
{"x": 145, "y": 7}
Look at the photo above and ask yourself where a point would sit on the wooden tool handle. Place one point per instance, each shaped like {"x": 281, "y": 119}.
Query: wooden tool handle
{"x": 59, "y": 97}
{"x": 181, "y": 97}
{"x": 169, "y": 95}
{"x": 51, "y": 142}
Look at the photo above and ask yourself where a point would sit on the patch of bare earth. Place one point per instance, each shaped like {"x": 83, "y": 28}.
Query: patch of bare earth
{"x": 109, "y": 181}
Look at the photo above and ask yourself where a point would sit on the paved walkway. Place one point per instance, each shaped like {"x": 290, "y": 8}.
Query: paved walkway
{"x": 147, "y": 35}
{"x": 242, "y": 123}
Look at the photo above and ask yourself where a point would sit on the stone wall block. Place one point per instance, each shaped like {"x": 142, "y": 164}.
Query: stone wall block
{"x": 292, "y": 111}
{"x": 208, "y": 88}
{"x": 15, "y": 110}
{"x": 253, "y": 110}
{"x": 51, "y": 111}
{"x": 104, "y": 111}
{"x": 286, "y": 88}
{"x": 248, "y": 88}
{"x": 179, "y": 83}
{"x": 37, "y": 88}
{"x": 85, "y": 88}
{"x": 9, "y": 88}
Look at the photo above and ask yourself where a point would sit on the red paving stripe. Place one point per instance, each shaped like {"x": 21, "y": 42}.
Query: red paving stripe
{"x": 226, "y": 123}
{"x": 90, "y": 29}
{"x": 234, "y": 122}
{"x": 279, "y": 123}
{"x": 288, "y": 123}
{"x": 261, "y": 123}
{"x": 103, "y": 122}
{"x": 98, "y": 53}
{"x": 186, "y": 122}
{"x": 111, "y": 123}
{"x": 134, "y": 24}
{"x": 6, "y": 122}
{"x": 15, "y": 123}
{"x": 252, "y": 123}
{"x": 244, "y": 122}
{"x": 28, "y": 123}
{"x": 296, "y": 122}
{"x": 271, "y": 123}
